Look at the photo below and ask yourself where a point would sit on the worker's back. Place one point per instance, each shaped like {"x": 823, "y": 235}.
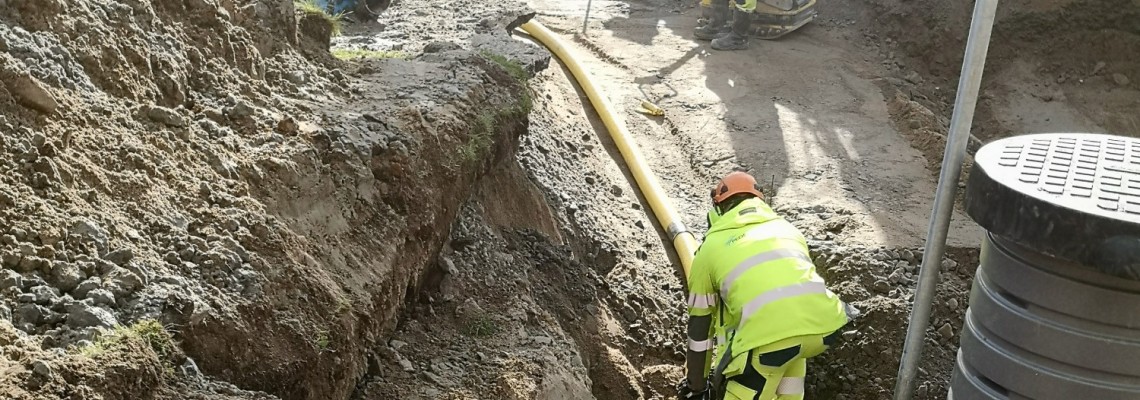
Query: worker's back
{"x": 759, "y": 265}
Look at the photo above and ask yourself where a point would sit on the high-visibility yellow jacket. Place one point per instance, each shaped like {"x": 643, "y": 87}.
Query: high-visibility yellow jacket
{"x": 754, "y": 275}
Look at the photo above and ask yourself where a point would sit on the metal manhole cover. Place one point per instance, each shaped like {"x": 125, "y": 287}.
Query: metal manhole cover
{"x": 1064, "y": 194}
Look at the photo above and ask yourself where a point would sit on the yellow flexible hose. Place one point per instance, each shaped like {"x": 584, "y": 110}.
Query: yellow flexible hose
{"x": 684, "y": 242}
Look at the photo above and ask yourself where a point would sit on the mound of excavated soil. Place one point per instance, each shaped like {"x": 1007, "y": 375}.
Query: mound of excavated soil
{"x": 881, "y": 283}
{"x": 205, "y": 164}
{"x": 1053, "y": 65}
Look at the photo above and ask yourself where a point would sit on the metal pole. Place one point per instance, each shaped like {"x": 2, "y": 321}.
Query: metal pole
{"x": 586, "y": 21}
{"x": 968, "y": 85}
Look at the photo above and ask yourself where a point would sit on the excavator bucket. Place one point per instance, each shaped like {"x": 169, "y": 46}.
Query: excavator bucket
{"x": 776, "y": 18}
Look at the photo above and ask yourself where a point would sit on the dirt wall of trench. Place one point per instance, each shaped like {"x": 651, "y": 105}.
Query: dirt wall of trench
{"x": 207, "y": 165}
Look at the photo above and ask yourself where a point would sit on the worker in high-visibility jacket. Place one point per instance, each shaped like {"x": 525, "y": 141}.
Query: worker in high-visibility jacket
{"x": 754, "y": 277}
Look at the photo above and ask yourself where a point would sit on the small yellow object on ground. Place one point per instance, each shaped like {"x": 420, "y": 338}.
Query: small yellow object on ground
{"x": 651, "y": 109}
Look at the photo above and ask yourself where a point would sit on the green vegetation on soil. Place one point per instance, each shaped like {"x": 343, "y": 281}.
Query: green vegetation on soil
{"x": 480, "y": 140}
{"x": 312, "y": 8}
{"x": 481, "y": 326}
{"x": 149, "y": 331}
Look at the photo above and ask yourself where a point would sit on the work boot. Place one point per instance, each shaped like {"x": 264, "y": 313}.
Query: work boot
{"x": 738, "y": 38}
{"x": 718, "y": 23}
{"x": 706, "y": 15}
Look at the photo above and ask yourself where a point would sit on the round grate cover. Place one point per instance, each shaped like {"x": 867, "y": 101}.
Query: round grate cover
{"x": 1074, "y": 196}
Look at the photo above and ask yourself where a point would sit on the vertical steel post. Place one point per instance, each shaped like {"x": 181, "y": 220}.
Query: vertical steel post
{"x": 586, "y": 21}
{"x": 981, "y": 27}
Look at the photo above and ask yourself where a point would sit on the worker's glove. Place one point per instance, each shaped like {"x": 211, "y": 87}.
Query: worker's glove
{"x": 685, "y": 393}
{"x": 852, "y": 312}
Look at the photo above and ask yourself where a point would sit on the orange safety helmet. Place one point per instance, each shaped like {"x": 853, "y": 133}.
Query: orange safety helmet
{"x": 735, "y": 183}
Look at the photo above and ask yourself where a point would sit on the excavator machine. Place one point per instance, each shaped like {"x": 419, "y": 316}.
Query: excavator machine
{"x": 360, "y": 10}
{"x": 774, "y": 18}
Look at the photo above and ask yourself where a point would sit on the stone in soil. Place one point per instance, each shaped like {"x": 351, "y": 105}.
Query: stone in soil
{"x": 448, "y": 266}
{"x": 469, "y": 307}
{"x": 241, "y": 109}
{"x": 31, "y": 93}
{"x": 101, "y": 297}
{"x": 30, "y": 314}
{"x": 438, "y": 380}
{"x": 947, "y": 331}
{"x": 42, "y": 369}
{"x": 404, "y": 363}
{"x": 397, "y": 344}
{"x": 87, "y": 286}
{"x": 122, "y": 282}
{"x": 120, "y": 256}
{"x": 82, "y": 315}
{"x": 45, "y": 295}
{"x": 1121, "y": 79}
{"x": 10, "y": 260}
{"x": 165, "y": 116}
{"x": 896, "y": 276}
{"x": 949, "y": 265}
{"x": 33, "y": 263}
{"x": 9, "y": 278}
{"x": 66, "y": 276}
{"x": 882, "y": 287}
{"x": 1098, "y": 67}
{"x": 86, "y": 229}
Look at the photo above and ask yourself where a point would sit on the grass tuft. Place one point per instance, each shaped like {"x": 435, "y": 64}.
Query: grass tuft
{"x": 322, "y": 340}
{"x": 481, "y": 138}
{"x": 481, "y": 326}
{"x": 479, "y": 142}
{"x": 343, "y": 304}
{"x": 336, "y": 21}
{"x": 515, "y": 69}
{"x": 150, "y": 331}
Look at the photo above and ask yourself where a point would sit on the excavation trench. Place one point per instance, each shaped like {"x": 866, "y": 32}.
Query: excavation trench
{"x": 555, "y": 282}
{"x": 534, "y": 293}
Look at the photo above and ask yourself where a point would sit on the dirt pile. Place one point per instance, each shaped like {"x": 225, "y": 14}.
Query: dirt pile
{"x": 198, "y": 163}
{"x": 881, "y": 284}
{"x": 1053, "y": 65}
{"x": 126, "y": 363}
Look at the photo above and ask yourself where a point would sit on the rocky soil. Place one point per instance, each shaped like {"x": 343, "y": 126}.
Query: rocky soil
{"x": 209, "y": 166}
{"x": 1053, "y": 65}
